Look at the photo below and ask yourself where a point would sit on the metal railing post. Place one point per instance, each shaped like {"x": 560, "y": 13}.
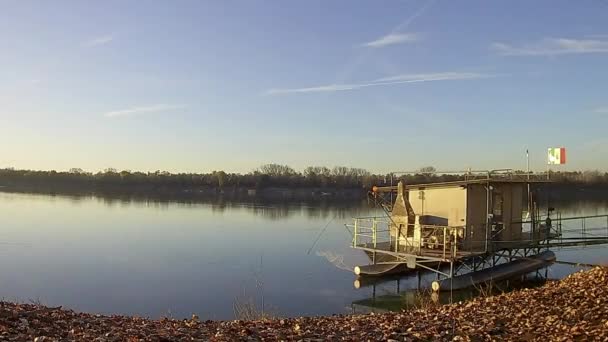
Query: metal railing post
{"x": 355, "y": 236}
{"x": 561, "y": 237}
{"x": 444, "y": 241}
{"x": 419, "y": 240}
{"x": 583, "y": 230}
{"x": 374, "y": 231}
{"x": 455, "y": 249}
{"x": 398, "y": 235}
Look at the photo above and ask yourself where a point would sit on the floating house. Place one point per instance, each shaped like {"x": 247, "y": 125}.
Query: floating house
{"x": 457, "y": 228}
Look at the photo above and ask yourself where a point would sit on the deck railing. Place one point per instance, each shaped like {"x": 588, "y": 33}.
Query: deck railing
{"x": 381, "y": 234}
{"x": 562, "y": 229}
{"x": 581, "y": 228}
{"x": 371, "y": 230}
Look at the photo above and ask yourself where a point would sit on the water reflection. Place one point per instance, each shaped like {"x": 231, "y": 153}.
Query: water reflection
{"x": 580, "y": 208}
{"x": 388, "y": 295}
{"x": 270, "y": 209}
{"x": 148, "y": 256}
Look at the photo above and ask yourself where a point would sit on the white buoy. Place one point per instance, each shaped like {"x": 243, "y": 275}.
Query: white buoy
{"x": 435, "y": 286}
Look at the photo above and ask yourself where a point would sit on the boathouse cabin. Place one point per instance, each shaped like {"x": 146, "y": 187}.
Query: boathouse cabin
{"x": 484, "y": 214}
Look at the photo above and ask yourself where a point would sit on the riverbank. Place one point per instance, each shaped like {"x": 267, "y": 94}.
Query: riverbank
{"x": 202, "y": 194}
{"x": 575, "y": 308}
{"x": 554, "y": 194}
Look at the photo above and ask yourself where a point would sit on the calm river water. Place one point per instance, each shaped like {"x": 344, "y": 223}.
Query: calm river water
{"x": 174, "y": 259}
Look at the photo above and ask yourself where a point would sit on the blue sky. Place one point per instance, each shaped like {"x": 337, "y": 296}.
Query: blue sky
{"x": 391, "y": 85}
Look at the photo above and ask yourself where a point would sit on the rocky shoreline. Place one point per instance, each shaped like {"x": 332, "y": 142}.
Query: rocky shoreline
{"x": 572, "y": 309}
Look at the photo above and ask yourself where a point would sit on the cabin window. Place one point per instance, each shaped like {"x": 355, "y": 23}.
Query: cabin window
{"x": 497, "y": 206}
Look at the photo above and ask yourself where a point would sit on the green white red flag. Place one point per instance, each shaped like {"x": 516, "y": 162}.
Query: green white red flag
{"x": 556, "y": 155}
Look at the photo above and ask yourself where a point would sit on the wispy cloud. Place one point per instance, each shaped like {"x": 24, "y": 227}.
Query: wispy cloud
{"x": 553, "y": 46}
{"x": 385, "y": 81}
{"x": 143, "y": 110}
{"x": 98, "y": 41}
{"x": 392, "y": 39}
{"x": 438, "y": 76}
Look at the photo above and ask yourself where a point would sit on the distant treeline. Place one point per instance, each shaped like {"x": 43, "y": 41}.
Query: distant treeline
{"x": 266, "y": 176}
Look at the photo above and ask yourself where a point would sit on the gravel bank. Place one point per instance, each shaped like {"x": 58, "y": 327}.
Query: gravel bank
{"x": 575, "y": 308}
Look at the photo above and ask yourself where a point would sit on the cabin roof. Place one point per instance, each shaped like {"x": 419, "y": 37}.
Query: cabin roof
{"x": 497, "y": 180}
{"x": 473, "y": 181}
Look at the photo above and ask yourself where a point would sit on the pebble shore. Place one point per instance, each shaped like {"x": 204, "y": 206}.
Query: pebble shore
{"x": 573, "y": 309}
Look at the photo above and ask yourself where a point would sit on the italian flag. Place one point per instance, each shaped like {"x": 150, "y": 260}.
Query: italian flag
{"x": 556, "y": 155}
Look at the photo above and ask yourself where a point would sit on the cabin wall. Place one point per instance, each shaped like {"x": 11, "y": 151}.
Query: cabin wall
{"x": 512, "y": 205}
{"x": 475, "y": 239}
{"x": 505, "y": 205}
{"x": 518, "y": 194}
{"x": 467, "y": 206}
{"x": 440, "y": 206}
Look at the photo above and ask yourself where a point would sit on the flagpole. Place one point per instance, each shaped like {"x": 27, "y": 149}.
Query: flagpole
{"x": 528, "y": 164}
{"x": 547, "y": 165}
{"x": 528, "y": 183}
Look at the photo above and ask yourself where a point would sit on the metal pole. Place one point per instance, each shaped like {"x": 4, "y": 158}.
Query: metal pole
{"x": 547, "y": 165}
{"x": 487, "y": 210}
{"x": 391, "y": 191}
{"x": 355, "y": 236}
{"x": 456, "y": 243}
{"x": 561, "y": 237}
{"x": 419, "y": 240}
{"x": 451, "y": 280}
{"x": 374, "y": 227}
{"x": 444, "y": 241}
{"x": 528, "y": 183}
{"x": 584, "y": 232}
{"x": 397, "y": 239}
{"x": 528, "y": 165}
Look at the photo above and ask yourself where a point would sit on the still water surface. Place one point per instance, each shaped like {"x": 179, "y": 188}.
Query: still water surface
{"x": 174, "y": 259}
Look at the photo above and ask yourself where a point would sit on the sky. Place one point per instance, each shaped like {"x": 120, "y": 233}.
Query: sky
{"x": 196, "y": 86}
